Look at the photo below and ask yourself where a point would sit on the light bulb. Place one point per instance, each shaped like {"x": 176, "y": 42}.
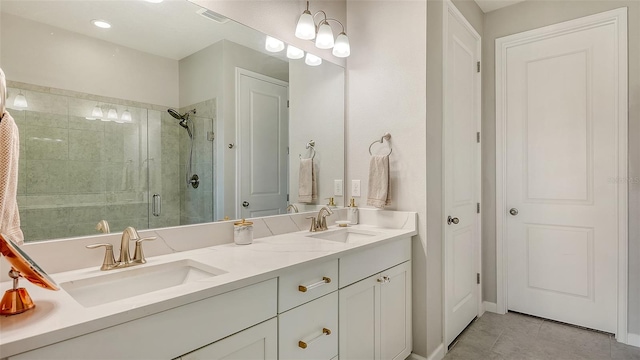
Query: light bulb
{"x": 306, "y": 28}
{"x": 20, "y": 101}
{"x": 312, "y": 60}
{"x": 342, "y": 47}
{"x": 325, "y": 37}
{"x": 96, "y": 113}
{"x": 294, "y": 53}
{"x": 273, "y": 44}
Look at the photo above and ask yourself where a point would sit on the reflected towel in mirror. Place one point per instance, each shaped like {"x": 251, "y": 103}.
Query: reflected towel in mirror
{"x": 307, "y": 187}
{"x": 379, "y": 181}
{"x": 9, "y": 157}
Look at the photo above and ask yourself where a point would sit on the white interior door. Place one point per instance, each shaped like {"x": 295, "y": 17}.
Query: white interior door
{"x": 461, "y": 171}
{"x": 562, "y": 120}
{"x": 263, "y": 138}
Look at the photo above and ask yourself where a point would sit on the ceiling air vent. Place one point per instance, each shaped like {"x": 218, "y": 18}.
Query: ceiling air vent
{"x": 213, "y": 16}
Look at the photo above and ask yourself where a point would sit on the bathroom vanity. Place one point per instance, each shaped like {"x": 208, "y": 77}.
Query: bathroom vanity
{"x": 296, "y": 295}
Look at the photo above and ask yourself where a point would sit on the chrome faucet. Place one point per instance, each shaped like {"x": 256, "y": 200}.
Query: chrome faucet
{"x": 321, "y": 221}
{"x": 125, "y": 259}
{"x": 292, "y": 206}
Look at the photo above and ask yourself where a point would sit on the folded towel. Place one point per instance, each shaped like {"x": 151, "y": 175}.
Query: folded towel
{"x": 307, "y": 186}
{"x": 379, "y": 181}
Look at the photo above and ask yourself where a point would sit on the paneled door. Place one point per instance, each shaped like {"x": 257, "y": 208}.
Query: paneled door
{"x": 263, "y": 139}
{"x": 562, "y": 112}
{"x": 461, "y": 163}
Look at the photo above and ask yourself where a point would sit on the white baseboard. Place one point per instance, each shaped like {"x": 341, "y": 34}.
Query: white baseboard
{"x": 437, "y": 354}
{"x": 490, "y": 307}
{"x": 633, "y": 339}
{"x": 415, "y": 357}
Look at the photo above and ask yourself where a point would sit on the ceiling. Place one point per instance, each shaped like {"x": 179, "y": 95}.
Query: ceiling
{"x": 171, "y": 29}
{"x": 490, "y": 5}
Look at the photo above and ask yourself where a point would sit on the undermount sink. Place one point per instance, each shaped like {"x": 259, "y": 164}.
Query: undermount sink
{"x": 345, "y": 235}
{"x": 137, "y": 281}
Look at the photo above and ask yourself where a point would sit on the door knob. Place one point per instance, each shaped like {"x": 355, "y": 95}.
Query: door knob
{"x": 513, "y": 211}
{"x": 451, "y": 220}
{"x": 245, "y": 204}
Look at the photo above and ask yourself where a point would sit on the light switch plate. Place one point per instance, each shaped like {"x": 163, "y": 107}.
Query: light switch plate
{"x": 337, "y": 188}
{"x": 355, "y": 188}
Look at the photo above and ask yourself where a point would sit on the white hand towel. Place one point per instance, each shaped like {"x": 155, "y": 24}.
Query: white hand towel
{"x": 9, "y": 156}
{"x": 379, "y": 181}
{"x": 307, "y": 187}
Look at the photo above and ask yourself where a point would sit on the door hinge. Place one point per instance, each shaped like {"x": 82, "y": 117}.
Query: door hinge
{"x": 287, "y": 150}
{"x": 287, "y": 197}
{"x": 478, "y": 137}
{"x": 478, "y": 66}
{"x": 478, "y": 278}
{"x": 211, "y": 136}
{"x": 478, "y": 208}
{"x": 287, "y": 103}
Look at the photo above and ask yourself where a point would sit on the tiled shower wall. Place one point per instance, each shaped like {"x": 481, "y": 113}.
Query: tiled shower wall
{"x": 75, "y": 172}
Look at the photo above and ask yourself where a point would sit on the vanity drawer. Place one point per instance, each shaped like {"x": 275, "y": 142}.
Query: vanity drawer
{"x": 310, "y": 331}
{"x": 305, "y": 284}
{"x": 362, "y": 264}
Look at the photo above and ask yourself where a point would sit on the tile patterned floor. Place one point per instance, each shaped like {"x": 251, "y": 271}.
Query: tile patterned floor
{"x": 519, "y": 337}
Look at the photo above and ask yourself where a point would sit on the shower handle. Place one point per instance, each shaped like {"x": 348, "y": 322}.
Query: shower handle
{"x": 156, "y": 205}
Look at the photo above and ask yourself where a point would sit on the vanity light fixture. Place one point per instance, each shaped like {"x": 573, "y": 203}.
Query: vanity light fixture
{"x": 101, "y": 24}
{"x": 126, "y": 116}
{"x": 312, "y": 60}
{"x": 96, "y": 113}
{"x": 112, "y": 114}
{"x": 273, "y": 44}
{"x": 307, "y": 29}
{"x": 294, "y": 53}
{"x": 20, "y": 101}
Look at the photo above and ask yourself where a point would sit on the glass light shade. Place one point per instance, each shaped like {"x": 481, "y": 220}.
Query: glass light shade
{"x": 294, "y": 53}
{"x": 342, "y": 48}
{"x": 112, "y": 114}
{"x": 273, "y": 44}
{"x": 20, "y": 101}
{"x": 325, "y": 37}
{"x": 306, "y": 28}
{"x": 312, "y": 60}
{"x": 96, "y": 113}
{"x": 126, "y": 116}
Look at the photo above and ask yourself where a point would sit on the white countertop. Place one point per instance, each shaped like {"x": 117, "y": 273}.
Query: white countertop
{"x": 57, "y": 316}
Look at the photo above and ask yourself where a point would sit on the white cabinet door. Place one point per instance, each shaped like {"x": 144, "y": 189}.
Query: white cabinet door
{"x": 358, "y": 320}
{"x": 256, "y": 343}
{"x": 395, "y": 312}
{"x": 375, "y": 316}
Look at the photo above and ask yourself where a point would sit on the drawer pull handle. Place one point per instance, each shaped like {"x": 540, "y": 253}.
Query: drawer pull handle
{"x": 303, "y": 344}
{"x": 303, "y": 288}
{"x": 384, "y": 279}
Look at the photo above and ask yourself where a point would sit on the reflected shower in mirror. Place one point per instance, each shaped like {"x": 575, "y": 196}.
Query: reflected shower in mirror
{"x": 174, "y": 115}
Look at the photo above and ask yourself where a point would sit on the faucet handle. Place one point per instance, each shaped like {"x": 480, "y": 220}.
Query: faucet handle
{"x": 314, "y": 226}
{"x": 138, "y": 255}
{"x": 109, "y": 261}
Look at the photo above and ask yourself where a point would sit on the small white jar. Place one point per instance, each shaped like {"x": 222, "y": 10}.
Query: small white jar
{"x": 243, "y": 232}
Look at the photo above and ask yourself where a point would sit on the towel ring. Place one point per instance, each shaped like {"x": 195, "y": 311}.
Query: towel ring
{"x": 310, "y": 145}
{"x": 384, "y": 137}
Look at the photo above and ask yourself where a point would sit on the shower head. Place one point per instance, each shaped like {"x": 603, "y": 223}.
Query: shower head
{"x": 183, "y": 118}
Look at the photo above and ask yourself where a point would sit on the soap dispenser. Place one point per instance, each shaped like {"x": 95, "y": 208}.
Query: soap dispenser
{"x": 352, "y": 212}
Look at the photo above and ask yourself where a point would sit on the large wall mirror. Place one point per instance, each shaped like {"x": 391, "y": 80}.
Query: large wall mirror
{"x": 97, "y": 139}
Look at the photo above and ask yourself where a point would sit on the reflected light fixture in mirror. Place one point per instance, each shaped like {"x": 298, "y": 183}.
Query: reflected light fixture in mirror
{"x": 273, "y": 44}
{"x": 294, "y": 53}
{"x": 307, "y": 29}
{"x": 112, "y": 114}
{"x": 20, "y": 101}
{"x": 312, "y": 60}
{"x": 126, "y": 116}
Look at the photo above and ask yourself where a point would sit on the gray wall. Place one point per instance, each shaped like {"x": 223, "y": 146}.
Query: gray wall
{"x": 474, "y": 15}
{"x": 530, "y": 15}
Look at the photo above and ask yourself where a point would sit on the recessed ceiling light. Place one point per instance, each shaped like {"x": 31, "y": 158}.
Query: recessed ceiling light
{"x": 101, "y": 24}
{"x": 154, "y": 1}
